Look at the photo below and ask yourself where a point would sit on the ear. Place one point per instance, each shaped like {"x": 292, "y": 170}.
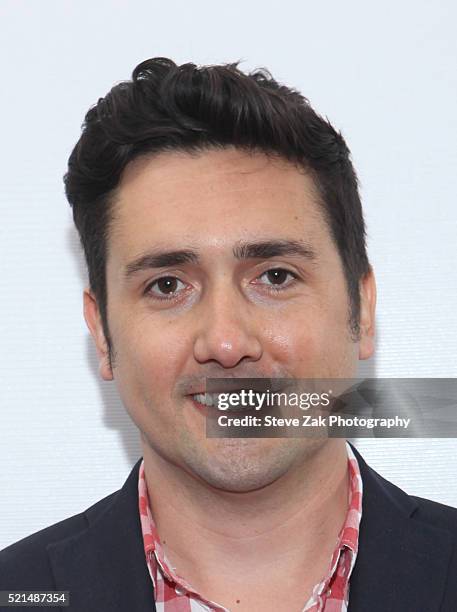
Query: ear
{"x": 94, "y": 323}
{"x": 367, "y": 288}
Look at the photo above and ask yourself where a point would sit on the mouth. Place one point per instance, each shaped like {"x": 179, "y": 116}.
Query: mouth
{"x": 202, "y": 404}
{"x": 206, "y": 399}
{"x": 207, "y": 404}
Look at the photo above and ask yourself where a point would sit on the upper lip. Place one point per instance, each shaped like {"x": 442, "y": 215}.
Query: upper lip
{"x": 233, "y": 385}
{"x": 203, "y": 391}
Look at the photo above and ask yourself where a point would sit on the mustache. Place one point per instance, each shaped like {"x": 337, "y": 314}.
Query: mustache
{"x": 194, "y": 383}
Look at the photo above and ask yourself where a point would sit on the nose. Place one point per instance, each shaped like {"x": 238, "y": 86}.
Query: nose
{"x": 228, "y": 331}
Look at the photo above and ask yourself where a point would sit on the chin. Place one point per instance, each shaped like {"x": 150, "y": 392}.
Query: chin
{"x": 236, "y": 481}
{"x": 243, "y": 465}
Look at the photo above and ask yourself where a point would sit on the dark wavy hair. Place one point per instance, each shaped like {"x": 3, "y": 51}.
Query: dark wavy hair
{"x": 166, "y": 107}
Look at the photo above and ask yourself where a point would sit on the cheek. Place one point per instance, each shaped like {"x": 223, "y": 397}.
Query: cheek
{"x": 149, "y": 351}
{"x": 293, "y": 338}
{"x": 312, "y": 341}
{"x": 148, "y": 361}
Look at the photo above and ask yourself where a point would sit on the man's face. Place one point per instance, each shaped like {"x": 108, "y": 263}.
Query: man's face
{"x": 227, "y": 309}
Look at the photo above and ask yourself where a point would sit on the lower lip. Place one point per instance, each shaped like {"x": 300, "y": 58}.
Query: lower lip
{"x": 207, "y": 411}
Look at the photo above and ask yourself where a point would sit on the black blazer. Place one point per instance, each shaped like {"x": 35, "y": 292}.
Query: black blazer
{"x": 407, "y": 560}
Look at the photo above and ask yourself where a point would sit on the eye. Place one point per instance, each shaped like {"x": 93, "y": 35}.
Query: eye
{"x": 164, "y": 288}
{"x": 277, "y": 278}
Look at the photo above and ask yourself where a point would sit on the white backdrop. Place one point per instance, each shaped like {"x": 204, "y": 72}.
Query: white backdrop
{"x": 384, "y": 73}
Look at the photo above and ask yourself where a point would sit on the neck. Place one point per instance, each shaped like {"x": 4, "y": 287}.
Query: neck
{"x": 295, "y": 519}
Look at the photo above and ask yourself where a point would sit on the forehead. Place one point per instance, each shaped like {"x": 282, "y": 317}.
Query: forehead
{"x": 219, "y": 194}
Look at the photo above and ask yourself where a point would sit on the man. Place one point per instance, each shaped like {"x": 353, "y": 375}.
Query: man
{"x": 223, "y": 232}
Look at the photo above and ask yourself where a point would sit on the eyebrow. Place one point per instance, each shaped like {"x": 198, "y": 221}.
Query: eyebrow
{"x": 245, "y": 250}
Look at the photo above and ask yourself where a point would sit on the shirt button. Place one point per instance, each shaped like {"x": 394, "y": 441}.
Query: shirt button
{"x": 179, "y": 591}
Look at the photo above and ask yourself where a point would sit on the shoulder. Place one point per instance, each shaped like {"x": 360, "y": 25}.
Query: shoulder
{"x": 434, "y": 513}
{"x": 383, "y": 500}
{"x": 25, "y": 564}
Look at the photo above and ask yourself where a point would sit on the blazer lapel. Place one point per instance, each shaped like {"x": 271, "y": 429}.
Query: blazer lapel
{"x": 402, "y": 563}
{"x": 104, "y": 567}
